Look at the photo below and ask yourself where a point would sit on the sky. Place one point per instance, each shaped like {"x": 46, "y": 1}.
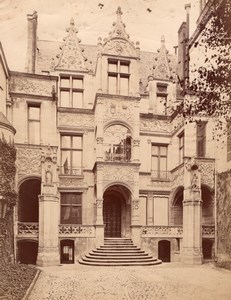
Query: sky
{"x": 146, "y": 21}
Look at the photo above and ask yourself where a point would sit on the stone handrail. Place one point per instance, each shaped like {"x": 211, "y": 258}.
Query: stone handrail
{"x": 162, "y": 231}
{"x": 76, "y": 230}
{"x": 28, "y": 229}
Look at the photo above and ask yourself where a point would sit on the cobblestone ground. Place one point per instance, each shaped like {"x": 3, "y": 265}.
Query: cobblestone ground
{"x": 166, "y": 281}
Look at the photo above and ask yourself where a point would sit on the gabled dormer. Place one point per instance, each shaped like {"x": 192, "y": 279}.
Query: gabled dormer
{"x": 117, "y": 65}
{"x": 71, "y": 56}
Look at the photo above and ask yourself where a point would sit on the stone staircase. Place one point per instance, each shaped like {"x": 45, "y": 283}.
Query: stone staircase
{"x": 118, "y": 252}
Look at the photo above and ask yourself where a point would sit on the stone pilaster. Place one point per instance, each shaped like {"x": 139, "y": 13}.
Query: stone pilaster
{"x": 48, "y": 252}
{"x": 192, "y": 215}
{"x": 150, "y": 209}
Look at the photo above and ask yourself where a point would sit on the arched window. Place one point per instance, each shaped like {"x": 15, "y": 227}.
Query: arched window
{"x": 117, "y": 143}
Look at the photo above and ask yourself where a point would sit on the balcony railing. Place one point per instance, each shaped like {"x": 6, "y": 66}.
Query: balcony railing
{"x": 162, "y": 231}
{"x": 122, "y": 157}
{"x": 160, "y": 175}
{"x": 208, "y": 231}
{"x": 75, "y": 171}
{"x": 28, "y": 229}
{"x": 77, "y": 230}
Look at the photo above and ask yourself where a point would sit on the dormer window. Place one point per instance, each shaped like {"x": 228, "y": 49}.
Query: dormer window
{"x": 71, "y": 91}
{"x": 161, "y": 94}
{"x": 118, "y": 77}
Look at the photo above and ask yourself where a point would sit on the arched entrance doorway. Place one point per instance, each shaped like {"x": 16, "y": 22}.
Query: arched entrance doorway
{"x": 117, "y": 212}
{"x": 207, "y": 248}
{"x": 28, "y": 207}
{"x": 164, "y": 250}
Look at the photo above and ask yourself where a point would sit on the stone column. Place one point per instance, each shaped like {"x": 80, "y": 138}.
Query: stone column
{"x": 192, "y": 215}
{"x": 48, "y": 252}
{"x": 99, "y": 207}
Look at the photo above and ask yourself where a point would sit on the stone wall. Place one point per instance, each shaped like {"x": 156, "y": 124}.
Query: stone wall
{"x": 224, "y": 216}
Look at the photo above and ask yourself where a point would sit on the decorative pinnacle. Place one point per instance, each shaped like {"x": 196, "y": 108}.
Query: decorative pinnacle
{"x": 119, "y": 11}
{"x": 72, "y": 22}
{"x": 162, "y": 40}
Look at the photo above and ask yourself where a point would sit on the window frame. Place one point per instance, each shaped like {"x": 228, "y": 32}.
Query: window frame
{"x": 201, "y": 139}
{"x": 181, "y": 137}
{"x": 71, "y": 205}
{"x": 156, "y": 174}
{"x": 71, "y": 169}
{"x": 31, "y": 121}
{"x": 71, "y": 90}
{"x": 118, "y": 75}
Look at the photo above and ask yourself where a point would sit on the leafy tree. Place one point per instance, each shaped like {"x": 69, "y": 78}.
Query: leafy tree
{"x": 211, "y": 83}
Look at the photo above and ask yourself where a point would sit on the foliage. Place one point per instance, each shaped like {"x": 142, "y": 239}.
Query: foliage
{"x": 15, "y": 279}
{"x": 224, "y": 265}
{"x": 211, "y": 83}
{"x": 7, "y": 172}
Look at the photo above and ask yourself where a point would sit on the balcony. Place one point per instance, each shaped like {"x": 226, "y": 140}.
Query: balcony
{"x": 119, "y": 157}
{"x": 75, "y": 230}
{"x": 28, "y": 229}
{"x": 70, "y": 171}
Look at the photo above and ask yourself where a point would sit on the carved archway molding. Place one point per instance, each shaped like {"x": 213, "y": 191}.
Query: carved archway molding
{"x": 126, "y": 185}
{"x": 26, "y": 178}
{"x": 117, "y": 122}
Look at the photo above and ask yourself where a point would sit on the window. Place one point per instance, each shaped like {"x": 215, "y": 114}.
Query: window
{"x": 159, "y": 162}
{"x": 71, "y": 208}
{"x": 34, "y": 124}
{"x": 181, "y": 147}
{"x": 118, "y": 77}
{"x": 201, "y": 139}
{"x": 71, "y": 155}
{"x": 161, "y": 96}
{"x": 71, "y": 91}
{"x": 117, "y": 143}
{"x": 228, "y": 141}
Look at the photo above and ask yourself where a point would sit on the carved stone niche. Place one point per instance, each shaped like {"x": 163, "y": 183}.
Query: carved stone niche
{"x": 49, "y": 170}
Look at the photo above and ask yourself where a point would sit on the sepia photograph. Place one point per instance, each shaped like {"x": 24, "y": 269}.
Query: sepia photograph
{"x": 115, "y": 149}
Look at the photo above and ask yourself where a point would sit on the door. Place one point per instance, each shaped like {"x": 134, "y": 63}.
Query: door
{"x": 164, "y": 250}
{"x": 112, "y": 217}
{"x": 67, "y": 252}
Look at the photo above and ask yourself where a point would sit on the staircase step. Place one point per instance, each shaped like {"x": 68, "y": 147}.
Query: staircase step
{"x": 118, "y": 252}
{"x": 102, "y": 263}
{"x": 118, "y": 257}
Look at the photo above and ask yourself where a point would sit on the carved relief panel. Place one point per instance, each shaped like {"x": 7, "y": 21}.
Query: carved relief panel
{"x": 28, "y": 161}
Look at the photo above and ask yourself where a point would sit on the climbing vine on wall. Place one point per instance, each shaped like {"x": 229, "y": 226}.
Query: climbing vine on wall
{"x": 224, "y": 215}
{"x": 7, "y": 172}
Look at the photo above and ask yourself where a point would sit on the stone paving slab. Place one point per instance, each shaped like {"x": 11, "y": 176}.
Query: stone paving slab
{"x": 163, "y": 282}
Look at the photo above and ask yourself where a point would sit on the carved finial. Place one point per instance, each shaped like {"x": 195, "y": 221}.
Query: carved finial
{"x": 119, "y": 11}
{"x": 72, "y": 22}
{"x": 162, "y": 40}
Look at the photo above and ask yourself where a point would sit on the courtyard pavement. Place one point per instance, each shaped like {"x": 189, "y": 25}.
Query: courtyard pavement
{"x": 167, "y": 281}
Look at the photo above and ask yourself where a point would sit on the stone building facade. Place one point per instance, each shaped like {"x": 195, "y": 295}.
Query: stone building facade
{"x": 102, "y": 153}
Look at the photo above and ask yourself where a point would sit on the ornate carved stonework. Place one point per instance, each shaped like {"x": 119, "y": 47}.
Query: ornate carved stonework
{"x": 118, "y": 173}
{"x": 155, "y": 125}
{"x": 99, "y": 203}
{"x": 118, "y": 42}
{"x": 66, "y": 181}
{"x": 162, "y": 231}
{"x": 135, "y": 204}
{"x": 177, "y": 177}
{"x": 162, "y": 69}
{"x": 77, "y": 230}
{"x": 208, "y": 231}
{"x": 122, "y": 110}
{"x": 76, "y": 120}
{"x": 29, "y": 229}
{"x": 207, "y": 169}
{"x": 31, "y": 85}
{"x": 71, "y": 57}
{"x": 28, "y": 161}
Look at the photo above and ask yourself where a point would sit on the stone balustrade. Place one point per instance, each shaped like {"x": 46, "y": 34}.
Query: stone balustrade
{"x": 28, "y": 229}
{"x": 71, "y": 230}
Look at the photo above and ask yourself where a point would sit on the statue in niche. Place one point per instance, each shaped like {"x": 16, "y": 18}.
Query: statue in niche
{"x": 195, "y": 181}
{"x": 48, "y": 177}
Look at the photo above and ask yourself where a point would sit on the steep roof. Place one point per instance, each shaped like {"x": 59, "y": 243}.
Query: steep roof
{"x": 48, "y": 50}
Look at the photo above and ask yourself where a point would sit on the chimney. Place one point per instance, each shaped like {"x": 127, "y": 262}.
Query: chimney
{"x": 183, "y": 52}
{"x": 31, "y": 41}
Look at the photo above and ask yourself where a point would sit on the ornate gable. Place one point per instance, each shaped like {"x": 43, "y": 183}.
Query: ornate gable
{"x": 118, "y": 42}
{"x": 161, "y": 68}
{"x": 70, "y": 57}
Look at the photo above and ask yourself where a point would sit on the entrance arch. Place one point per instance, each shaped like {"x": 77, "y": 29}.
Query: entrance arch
{"x": 28, "y": 208}
{"x": 117, "y": 211}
